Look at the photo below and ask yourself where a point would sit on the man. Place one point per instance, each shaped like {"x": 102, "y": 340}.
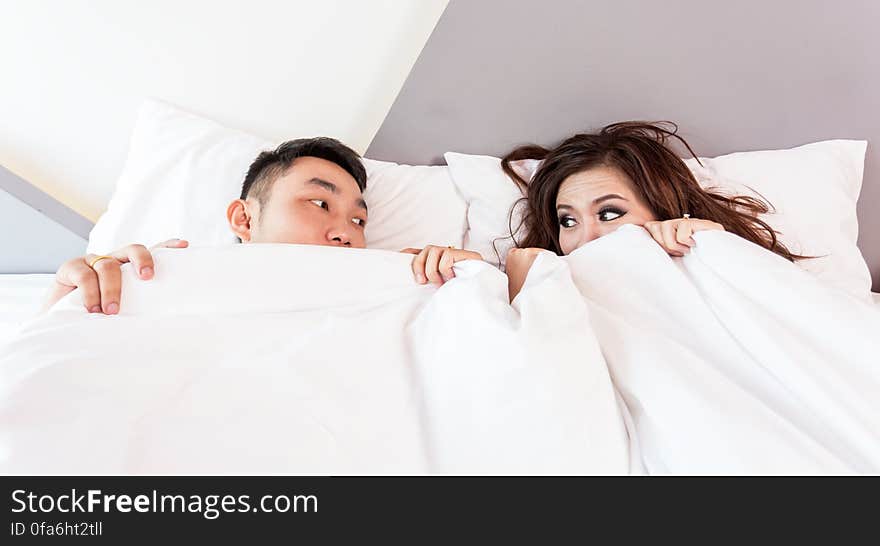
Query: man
{"x": 306, "y": 191}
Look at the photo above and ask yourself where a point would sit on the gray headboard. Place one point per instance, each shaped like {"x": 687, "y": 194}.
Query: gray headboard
{"x": 40, "y": 233}
{"x": 735, "y": 75}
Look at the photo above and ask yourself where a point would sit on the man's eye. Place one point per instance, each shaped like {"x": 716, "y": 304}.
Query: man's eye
{"x": 359, "y": 221}
{"x": 567, "y": 221}
{"x": 320, "y": 202}
{"x": 610, "y": 214}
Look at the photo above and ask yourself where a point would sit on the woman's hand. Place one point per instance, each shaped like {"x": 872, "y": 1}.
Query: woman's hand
{"x": 675, "y": 235}
{"x": 517, "y": 265}
{"x": 101, "y": 282}
{"x": 434, "y": 263}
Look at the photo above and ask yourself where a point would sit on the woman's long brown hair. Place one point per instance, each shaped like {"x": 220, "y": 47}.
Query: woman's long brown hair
{"x": 640, "y": 151}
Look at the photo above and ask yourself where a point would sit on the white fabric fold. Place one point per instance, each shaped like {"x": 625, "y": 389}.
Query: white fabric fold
{"x": 731, "y": 359}
{"x": 517, "y": 389}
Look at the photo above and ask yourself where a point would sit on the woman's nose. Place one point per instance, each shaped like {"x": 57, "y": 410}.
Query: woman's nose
{"x": 590, "y": 232}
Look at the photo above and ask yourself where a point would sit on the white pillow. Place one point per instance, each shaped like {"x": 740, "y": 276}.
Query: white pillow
{"x": 490, "y": 197}
{"x": 412, "y": 206}
{"x": 814, "y": 189}
{"x": 183, "y": 170}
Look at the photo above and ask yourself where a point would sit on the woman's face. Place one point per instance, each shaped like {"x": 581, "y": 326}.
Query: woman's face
{"x": 595, "y": 202}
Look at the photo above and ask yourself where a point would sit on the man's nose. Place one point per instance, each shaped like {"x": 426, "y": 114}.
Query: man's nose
{"x": 340, "y": 235}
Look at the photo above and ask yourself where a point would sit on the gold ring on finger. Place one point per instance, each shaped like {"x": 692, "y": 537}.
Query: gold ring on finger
{"x": 97, "y": 259}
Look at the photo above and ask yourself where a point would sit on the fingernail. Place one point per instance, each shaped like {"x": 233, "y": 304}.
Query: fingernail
{"x": 112, "y": 308}
{"x": 146, "y": 272}
{"x": 421, "y": 279}
{"x": 95, "y": 309}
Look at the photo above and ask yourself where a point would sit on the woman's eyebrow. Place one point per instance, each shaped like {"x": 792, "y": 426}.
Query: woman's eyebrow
{"x": 607, "y": 197}
{"x": 596, "y": 201}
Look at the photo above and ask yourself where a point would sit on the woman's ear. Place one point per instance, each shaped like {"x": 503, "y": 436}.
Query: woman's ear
{"x": 239, "y": 218}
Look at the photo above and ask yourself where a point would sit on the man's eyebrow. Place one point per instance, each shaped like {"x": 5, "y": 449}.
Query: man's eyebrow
{"x": 329, "y": 186}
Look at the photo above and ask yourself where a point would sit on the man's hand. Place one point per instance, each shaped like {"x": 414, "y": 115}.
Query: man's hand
{"x": 434, "y": 263}
{"x": 101, "y": 282}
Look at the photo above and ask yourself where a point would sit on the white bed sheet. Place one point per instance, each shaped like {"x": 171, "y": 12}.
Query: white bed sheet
{"x": 20, "y": 299}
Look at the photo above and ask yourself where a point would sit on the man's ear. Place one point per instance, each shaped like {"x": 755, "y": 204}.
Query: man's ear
{"x": 239, "y": 216}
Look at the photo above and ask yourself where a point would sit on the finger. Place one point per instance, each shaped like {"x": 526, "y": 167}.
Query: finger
{"x": 172, "y": 243}
{"x": 668, "y": 229}
{"x": 65, "y": 273}
{"x": 141, "y": 260}
{"x": 432, "y": 264}
{"x": 84, "y": 277}
{"x": 654, "y": 229}
{"x": 418, "y": 266}
{"x": 58, "y": 291}
{"x": 460, "y": 255}
{"x": 411, "y": 250}
{"x": 447, "y": 259}
{"x": 109, "y": 274}
{"x": 684, "y": 231}
{"x": 706, "y": 225}
{"x": 703, "y": 225}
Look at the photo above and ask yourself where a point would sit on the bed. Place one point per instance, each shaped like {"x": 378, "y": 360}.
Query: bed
{"x": 749, "y": 364}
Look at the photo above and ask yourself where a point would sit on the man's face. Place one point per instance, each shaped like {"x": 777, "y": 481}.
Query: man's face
{"x": 316, "y": 202}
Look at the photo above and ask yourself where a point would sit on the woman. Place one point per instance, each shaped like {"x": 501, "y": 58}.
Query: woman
{"x": 591, "y": 184}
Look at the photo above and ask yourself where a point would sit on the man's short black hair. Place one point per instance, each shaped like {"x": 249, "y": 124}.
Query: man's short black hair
{"x": 268, "y": 166}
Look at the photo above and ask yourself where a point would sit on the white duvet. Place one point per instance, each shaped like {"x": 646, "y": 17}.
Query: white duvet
{"x": 295, "y": 359}
{"x": 732, "y": 360}
{"x": 303, "y": 359}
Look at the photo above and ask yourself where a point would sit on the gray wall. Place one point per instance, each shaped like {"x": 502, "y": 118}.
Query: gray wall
{"x": 37, "y": 233}
{"x": 736, "y": 76}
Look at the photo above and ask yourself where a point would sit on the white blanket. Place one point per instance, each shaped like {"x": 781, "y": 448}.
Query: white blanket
{"x": 303, "y": 359}
{"x": 730, "y": 360}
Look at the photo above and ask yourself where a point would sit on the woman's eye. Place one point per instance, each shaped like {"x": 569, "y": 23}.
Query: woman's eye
{"x": 608, "y": 215}
{"x": 567, "y": 221}
{"x": 320, "y": 202}
{"x": 359, "y": 221}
